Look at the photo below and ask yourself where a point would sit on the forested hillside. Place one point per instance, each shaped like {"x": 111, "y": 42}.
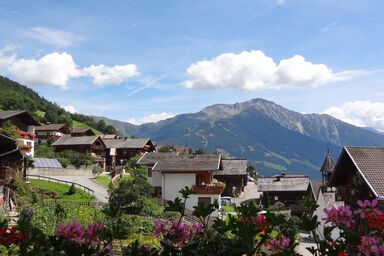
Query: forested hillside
{"x": 14, "y": 96}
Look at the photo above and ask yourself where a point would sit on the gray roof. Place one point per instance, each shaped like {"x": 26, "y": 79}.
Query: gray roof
{"x": 233, "y": 167}
{"x": 80, "y": 129}
{"x": 328, "y": 164}
{"x": 46, "y": 163}
{"x": 188, "y": 163}
{"x": 150, "y": 158}
{"x": 49, "y": 127}
{"x": 283, "y": 184}
{"x": 370, "y": 163}
{"x": 68, "y": 140}
{"x": 10, "y": 113}
{"x": 126, "y": 143}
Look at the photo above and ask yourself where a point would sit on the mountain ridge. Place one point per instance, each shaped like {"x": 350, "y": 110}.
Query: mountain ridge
{"x": 274, "y": 138}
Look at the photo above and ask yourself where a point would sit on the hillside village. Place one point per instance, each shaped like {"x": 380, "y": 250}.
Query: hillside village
{"x": 212, "y": 179}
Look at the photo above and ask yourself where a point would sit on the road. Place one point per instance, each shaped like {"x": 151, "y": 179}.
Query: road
{"x": 249, "y": 193}
{"x": 101, "y": 192}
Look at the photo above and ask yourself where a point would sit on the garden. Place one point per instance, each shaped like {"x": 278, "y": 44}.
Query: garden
{"x": 133, "y": 224}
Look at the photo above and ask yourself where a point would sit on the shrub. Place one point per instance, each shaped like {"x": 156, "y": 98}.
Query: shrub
{"x": 96, "y": 169}
{"x": 3, "y": 219}
{"x": 72, "y": 190}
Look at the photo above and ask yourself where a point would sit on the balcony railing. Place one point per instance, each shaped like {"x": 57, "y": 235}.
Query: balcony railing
{"x": 212, "y": 188}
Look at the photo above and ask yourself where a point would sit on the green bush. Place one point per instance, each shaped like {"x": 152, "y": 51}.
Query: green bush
{"x": 96, "y": 169}
{"x": 72, "y": 190}
{"x": 3, "y": 219}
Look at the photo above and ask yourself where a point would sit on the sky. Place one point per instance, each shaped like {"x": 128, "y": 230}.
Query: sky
{"x": 144, "y": 61}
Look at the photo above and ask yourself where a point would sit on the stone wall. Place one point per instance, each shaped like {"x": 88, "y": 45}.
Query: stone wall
{"x": 61, "y": 171}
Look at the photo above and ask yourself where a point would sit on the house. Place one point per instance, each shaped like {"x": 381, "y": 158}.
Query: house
{"x": 119, "y": 151}
{"x": 169, "y": 173}
{"x": 82, "y": 144}
{"x": 25, "y": 125}
{"x": 54, "y": 131}
{"x": 82, "y": 131}
{"x": 288, "y": 189}
{"x": 233, "y": 172}
{"x": 359, "y": 174}
{"x": 11, "y": 160}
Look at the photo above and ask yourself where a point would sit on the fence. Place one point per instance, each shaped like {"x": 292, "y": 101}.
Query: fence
{"x": 39, "y": 177}
{"x": 60, "y": 171}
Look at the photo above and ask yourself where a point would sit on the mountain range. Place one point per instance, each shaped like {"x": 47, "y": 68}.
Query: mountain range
{"x": 270, "y": 136}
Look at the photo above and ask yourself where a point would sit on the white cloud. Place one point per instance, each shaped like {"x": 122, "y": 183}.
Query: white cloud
{"x": 153, "y": 118}
{"x": 71, "y": 109}
{"x": 54, "y": 37}
{"x": 360, "y": 113}
{"x": 280, "y": 2}
{"x": 56, "y": 69}
{"x": 110, "y": 75}
{"x": 254, "y": 70}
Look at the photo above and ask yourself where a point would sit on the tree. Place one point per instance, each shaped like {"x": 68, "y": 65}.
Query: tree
{"x": 167, "y": 148}
{"x": 200, "y": 151}
{"x": 131, "y": 195}
{"x": 101, "y": 125}
{"x": 9, "y": 130}
{"x": 110, "y": 130}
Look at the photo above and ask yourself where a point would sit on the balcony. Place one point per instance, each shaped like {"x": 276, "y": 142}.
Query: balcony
{"x": 211, "y": 189}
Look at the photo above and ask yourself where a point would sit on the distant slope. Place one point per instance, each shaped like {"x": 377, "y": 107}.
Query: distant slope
{"x": 274, "y": 138}
{"x": 14, "y": 96}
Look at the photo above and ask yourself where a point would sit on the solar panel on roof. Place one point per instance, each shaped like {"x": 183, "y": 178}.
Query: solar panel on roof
{"x": 47, "y": 163}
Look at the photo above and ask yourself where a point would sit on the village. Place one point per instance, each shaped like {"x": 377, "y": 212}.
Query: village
{"x": 226, "y": 184}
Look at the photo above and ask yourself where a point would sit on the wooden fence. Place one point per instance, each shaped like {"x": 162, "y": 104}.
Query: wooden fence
{"x": 47, "y": 178}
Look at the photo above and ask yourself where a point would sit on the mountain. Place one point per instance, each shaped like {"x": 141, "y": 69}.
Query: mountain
{"x": 270, "y": 136}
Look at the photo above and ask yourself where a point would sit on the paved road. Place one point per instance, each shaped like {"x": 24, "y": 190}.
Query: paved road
{"x": 101, "y": 193}
{"x": 249, "y": 193}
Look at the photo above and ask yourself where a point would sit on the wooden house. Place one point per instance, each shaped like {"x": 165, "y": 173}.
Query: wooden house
{"x": 82, "y": 144}
{"x": 124, "y": 149}
{"x": 287, "y": 189}
{"x": 359, "y": 174}
{"x": 80, "y": 131}
{"x": 25, "y": 125}
{"x": 233, "y": 172}
{"x": 54, "y": 131}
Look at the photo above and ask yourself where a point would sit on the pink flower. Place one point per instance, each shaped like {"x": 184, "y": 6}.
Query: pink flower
{"x": 278, "y": 245}
{"x": 368, "y": 209}
{"x": 341, "y": 216}
{"x": 371, "y": 246}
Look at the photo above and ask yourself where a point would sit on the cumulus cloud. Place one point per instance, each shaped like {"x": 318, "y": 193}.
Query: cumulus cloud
{"x": 102, "y": 74}
{"x": 153, "y": 118}
{"x": 71, "y": 109}
{"x": 254, "y": 70}
{"x": 360, "y": 113}
{"x": 56, "y": 69}
{"x": 53, "y": 37}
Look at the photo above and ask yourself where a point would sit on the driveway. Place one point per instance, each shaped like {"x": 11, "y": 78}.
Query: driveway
{"x": 249, "y": 193}
{"x": 101, "y": 192}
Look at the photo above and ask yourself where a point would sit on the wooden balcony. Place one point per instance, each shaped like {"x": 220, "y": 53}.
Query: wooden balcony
{"x": 211, "y": 189}
{"x": 7, "y": 173}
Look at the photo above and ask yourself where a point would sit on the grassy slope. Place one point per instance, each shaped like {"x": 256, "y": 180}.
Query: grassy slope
{"x": 103, "y": 180}
{"x": 83, "y": 125}
{"x": 60, "y": 190}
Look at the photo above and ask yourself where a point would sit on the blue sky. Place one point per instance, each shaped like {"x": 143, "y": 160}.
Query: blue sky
{"x": 146, "y": 60}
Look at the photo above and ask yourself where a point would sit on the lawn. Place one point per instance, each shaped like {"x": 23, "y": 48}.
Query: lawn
{"x": 55, "y": 191}
{"x": 103, "y": 180}
{"x": 228, "y": 208}
{"x": 83, "y": 125}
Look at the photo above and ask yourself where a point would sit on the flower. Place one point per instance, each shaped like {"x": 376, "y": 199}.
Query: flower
{"x": 368, "y": 208}
{"x": 341, "y": 216}
{"x": 370, "y": 245}
{"x": 278, "y": 245}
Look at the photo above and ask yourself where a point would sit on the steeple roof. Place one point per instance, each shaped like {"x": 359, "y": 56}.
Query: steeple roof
{"x": 328, "y": 164}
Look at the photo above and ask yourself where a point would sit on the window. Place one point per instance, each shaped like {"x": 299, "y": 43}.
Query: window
{"x": 149, "y": 172}
{"x": 29, "y": 143}
{"x": 97, "y": 143}
{"x": 205, "y": 200}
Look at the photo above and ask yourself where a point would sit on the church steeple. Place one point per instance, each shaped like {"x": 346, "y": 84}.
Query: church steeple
{"x": 327, "y": 168}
